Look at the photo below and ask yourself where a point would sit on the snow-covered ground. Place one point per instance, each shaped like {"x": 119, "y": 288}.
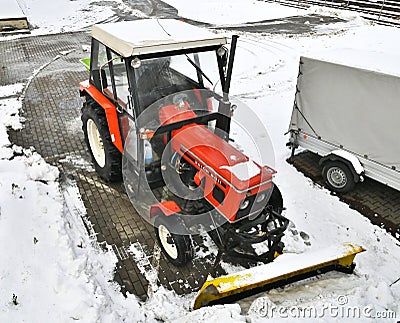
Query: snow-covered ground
{"x": 49, "y": 17}
{"x": 11, "y": 9}
{"x": 51, "y": 269}
{"x": 232, "y": 12}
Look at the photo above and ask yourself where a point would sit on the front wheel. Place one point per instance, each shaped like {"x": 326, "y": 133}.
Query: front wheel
{"x": 338, "y": 176}
{"x": 276, "y": 200}
{"x": 177, "y": 248}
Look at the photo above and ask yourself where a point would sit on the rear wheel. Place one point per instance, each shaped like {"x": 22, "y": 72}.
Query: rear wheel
{"x": 105, "y": 156}
{"x": 338, "y": 176}
{"x": 177, "y": 248}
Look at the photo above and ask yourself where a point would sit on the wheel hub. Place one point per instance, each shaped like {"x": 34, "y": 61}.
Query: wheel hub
{"x": 96, "y": 143}
{"x": 337, "y": 177}
{"x": 167, "y": 242}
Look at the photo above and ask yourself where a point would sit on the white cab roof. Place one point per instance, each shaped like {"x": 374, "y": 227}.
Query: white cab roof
{"x": 148, "y": 36}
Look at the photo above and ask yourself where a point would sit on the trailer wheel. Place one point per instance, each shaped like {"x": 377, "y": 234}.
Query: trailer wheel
{"x": 338, "y": 176}
{"x": 177, "y": 248}
{"x": 105, "y": 156}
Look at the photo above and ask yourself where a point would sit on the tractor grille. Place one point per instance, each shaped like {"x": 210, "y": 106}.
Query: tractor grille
{"x": 253, "y": 207}
{"x": 243, "y": 213}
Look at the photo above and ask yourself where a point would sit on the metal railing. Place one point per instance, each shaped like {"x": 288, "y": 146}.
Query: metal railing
{"x": 381, "y": 11}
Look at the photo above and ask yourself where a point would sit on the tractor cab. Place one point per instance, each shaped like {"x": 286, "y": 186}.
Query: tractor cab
{"x": 162, "y": 73}
{"x": 158, "y": 113}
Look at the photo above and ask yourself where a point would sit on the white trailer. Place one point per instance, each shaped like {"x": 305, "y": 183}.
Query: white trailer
{"x": 350, "y": 116}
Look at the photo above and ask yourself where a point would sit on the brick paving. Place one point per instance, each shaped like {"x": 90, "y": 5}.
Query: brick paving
{"x": 52, "y": 111}
{"x": 378, "y": 202}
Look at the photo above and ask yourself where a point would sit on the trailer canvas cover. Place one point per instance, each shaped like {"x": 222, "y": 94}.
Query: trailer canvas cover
{"x": 350, "y": 107}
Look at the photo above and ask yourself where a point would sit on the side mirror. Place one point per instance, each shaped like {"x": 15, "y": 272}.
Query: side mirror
{"x": 99, "y": 79}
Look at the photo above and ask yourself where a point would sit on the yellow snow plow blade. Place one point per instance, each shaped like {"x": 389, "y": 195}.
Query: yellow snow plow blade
{"x": 285, "y": 269}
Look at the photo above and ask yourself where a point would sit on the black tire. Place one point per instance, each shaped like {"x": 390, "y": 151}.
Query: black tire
{"x": 276, "y": 200}
{"x": 178, "y": 249}
{"x": 107, "y": 159}
{"x": 178, "y": 183}
{"x": 338, "y": 176}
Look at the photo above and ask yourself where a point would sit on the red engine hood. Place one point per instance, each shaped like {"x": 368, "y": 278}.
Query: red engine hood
{"x": 216, "y": 155}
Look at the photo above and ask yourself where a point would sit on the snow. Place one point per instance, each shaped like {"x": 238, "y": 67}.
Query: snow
{"x": 351, "y": 158}
{"x": 9, "y": 115}
{"x": 11, "y": 89}
{"x": 52, "y": 270}
{"x": 154, "y": 36}
{"x": 49, "y": 17}
{"x": 286, "y": 264}
{"x": 9, "y": 108}
{"x": 11, "y": 9}
{"x": 149, "y": 271}
{"x": 339, "y": 13}
{"x": 232, "y": 12}
{"x": 243, "y": 171}
{"x": 78, "y": 162}
{"x": 64, "y": 15}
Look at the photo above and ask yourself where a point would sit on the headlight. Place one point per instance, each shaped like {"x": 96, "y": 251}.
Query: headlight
{"x": 260, "y": 197}
{"x": 222, "y": 51}
{"x": 136, "y": 62}
{"x": 244, "y": 204}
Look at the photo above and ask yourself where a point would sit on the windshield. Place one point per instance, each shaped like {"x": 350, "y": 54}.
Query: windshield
{"x": 159, "y": 77}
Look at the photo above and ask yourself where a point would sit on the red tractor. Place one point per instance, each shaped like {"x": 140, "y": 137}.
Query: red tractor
{"x": 157, "y": 114}
{"x": 149, "y": 110}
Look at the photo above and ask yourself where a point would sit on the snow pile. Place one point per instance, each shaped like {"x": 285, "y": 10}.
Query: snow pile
{"x": 10, "y": 106}
{"x": 11, "y": 90}
{"x": 50, "y": 268}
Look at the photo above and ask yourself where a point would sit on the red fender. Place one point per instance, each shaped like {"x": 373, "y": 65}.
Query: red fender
{"x": 110, "y": 110}
{"x": 167, "y": 208}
